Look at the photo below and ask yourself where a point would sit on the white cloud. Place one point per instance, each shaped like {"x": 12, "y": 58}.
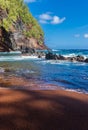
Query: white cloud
{"x": 45, "y": 16}
{"x": 86, "y": 35}
{"x": 57, "y": 20}
{"x": 29, "y": 1}
{"x": 49, "y": 18}
{"x": 77, "y": 35}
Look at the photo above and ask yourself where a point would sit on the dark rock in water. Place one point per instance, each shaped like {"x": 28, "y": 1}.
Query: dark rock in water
{"x": 39, "y": 56}
{"x": 55, "y": 57}
{"x": 73, "y": 59}
{"x": 60, "y": 57}
{"x": 80, "y": 58}
{"x": 49, "y": 56}
{"x": 77, "y": 58}
{"x": 43, "y": 53}
{"x": 86, "y": 60}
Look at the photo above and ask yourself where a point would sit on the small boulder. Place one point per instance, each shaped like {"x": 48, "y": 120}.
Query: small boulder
{"x": 39, "y": 56}
{"x": 49, "y": 56}
{"x": 80, "y": 58}
{"x": 73, "y": 59}
{"x": 86, "y": 60}
{"x": 60, "y": 57}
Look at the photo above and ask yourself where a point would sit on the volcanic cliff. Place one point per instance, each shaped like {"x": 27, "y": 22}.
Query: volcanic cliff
{"x": 19, "y": 30}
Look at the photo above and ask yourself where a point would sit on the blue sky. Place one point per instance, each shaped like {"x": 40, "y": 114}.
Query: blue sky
{"x": 65, "y": 22}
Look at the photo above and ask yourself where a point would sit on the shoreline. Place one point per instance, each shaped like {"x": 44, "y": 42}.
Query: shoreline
{"x": 22, "y": 84}
{"x": 43, "y": 110}
{"x": 46, "y": 89}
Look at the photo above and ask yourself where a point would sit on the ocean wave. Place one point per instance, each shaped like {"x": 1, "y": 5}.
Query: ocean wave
{"x": 10, "y": 53}
{"x": 59, "y": 62}
{"x": 70, "y": 55}
{"x": 80, "y": 64}
{"x": 29, "y": 57}
{"x": 74, "y": 55}
{"x": 16, "y": 58}
{"x": 76, "y": 90}
{"x": 11, "y": 58}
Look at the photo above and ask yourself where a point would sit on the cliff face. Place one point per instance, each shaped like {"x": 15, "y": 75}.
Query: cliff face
{"x": 18, "y": 29}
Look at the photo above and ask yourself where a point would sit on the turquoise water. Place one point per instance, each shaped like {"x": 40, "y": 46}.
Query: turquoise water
{"x": 68, "y": 75}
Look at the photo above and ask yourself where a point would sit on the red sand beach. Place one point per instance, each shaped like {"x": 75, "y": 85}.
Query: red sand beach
{"x": 43, "y": 110}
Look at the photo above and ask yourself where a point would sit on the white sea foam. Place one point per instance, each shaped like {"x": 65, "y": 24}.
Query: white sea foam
{"x": 76, "y": 91}
{"x": 60, "y": 62}
{"x": 12, "y": 58}
{"x": 74, "y": 55}
{"x": 29, "y": 57}
{"x": 70, "y": 55}
{"x": 85, "y": 56}
{"x": 16, "y": 58}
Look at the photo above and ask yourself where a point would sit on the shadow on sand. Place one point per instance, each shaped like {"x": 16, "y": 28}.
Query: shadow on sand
{"x": 41, "y": 110}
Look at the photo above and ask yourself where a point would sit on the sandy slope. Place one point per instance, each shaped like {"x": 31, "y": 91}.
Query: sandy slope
{"x": 43, "y": 110}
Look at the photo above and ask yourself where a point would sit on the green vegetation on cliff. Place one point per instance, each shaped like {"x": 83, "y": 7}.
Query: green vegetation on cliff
{"x": 15, "y": 10}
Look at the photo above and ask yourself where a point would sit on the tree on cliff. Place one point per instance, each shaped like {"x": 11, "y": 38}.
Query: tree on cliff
{"x": 12, "y": 11}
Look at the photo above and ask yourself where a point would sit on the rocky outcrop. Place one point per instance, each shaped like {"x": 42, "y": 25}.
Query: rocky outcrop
{"x": 79, "y": 58}
{"x": 5, "y": 41}
{"x": 51, "y": 56}
{"x": 15, "y": 39}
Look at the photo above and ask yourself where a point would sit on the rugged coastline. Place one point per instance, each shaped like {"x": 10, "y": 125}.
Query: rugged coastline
{"x": 78, "y": 58}
{"x": 19, "y": 30}
{"x": 48, "y": 55}
{"x": 28, "y": 98}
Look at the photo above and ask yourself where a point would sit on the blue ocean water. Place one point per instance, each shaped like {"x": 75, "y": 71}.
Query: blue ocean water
{"x": 68, "y": 75}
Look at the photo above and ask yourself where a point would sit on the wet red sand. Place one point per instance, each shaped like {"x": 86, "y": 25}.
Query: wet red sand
{"x": 22, "y": 83}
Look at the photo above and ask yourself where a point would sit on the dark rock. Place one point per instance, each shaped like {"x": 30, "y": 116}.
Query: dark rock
{"x": 49, "y": 56}
{"x": 17, "y": 41}
{"x": 73, "y": 59}
{"x": 55, "y": 57}
{"x": 80, "y": 58}
{"x": 39, "y": 56}
{"x": 5, "y": 41}
{"x": 43, "y": 53}
{"x": 86, "y": 60}
{"x": 60, "y": 57}
{"x": 77, "y": 58}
